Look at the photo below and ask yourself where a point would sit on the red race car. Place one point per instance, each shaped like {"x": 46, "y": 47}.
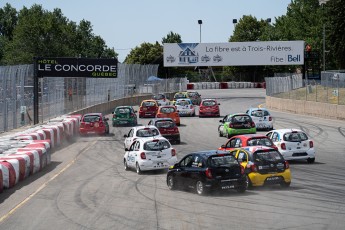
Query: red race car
{"x": 247, "y": 140}
{"x": 148, "y": 108}
{"x": 209, "y": 108}
{"x": 94, "y": 123}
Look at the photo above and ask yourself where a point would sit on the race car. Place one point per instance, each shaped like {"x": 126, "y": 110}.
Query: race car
{"x": 263, "y": 166}
{"x": 294, "y": 144}
{"x": 185, "y": 107}
{"x": 235, "y": 124}
{"x": 262, "y": 118}
{"x": 140, "y": 132}
{"x": 149, "y": 154}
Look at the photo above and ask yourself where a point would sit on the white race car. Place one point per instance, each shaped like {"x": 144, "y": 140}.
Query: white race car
{"x": 293, "y": 144}
{"x": 185, "y": 107}
{"x": 149, "y": 154}
{"x": 262, "y": 118}
{"x": 140, "y": 132}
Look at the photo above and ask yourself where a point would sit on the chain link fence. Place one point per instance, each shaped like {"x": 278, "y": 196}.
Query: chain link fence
{"x": 59, "y": 95}
{"x": 330, "y": 89}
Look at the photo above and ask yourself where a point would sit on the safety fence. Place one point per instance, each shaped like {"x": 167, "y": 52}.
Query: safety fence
{"x": 224, "y": 85}
{"x": 330, "y": 89}
{"x": 59, "y": 95}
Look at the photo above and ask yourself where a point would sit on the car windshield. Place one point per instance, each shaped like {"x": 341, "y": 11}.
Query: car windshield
{"x": 167, "y": 110}
{"x": 123, "y": 110}
{"x": 148, "y": 103}
{"x": 271, "y": 156}
{"x": 265, "y": 141}
{"x": 182, "y": 102}
{"x": 147, "y": 132}
{"x": 221, "y": 161}
{"x": 156, "y": 145}
{"x": 92, "y": 118}
{"x": 165, "y": 124}
{"x": 295, "y": 137}
{"x": 209, "y": 103}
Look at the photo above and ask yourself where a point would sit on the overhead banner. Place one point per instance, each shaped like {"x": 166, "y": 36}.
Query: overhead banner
{"x": 234, "y": 53}
{"x": 76, "y": 67}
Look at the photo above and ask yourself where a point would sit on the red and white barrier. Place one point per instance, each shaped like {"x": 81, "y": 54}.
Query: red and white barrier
{"x": 19, "y": 164}
{"x": 8, "y": 173}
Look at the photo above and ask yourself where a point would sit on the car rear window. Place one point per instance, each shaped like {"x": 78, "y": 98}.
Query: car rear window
{"x": 167, "y": 110}
{"x": 193, "y": 94}
{"x": 123, "y": 110}
{"x": 209, "y": 103}
{"x": 182, "y": 102}
{"x": 147, "y": 132}
{"x": 221, "y": 161}
{"x": 241, "y": 119}
{"x": 148, "y": 103}
{"x": 265, "y": 141}
{"x": 158, "y": 97}
{"x": 180, "y": 95}
{"x": 156, "y": 145}
{"x": 91, "y": 118}
{"x": 271, "y": 156}
{"x": 259, "y": 113}
{"x": 295, "y": 137}
{"x": 165, "y": 124}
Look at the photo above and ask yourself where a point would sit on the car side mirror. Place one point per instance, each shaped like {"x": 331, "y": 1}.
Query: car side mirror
{"x": 106, "y": 119}
{"x": 125, "y": 136}
{"x": 135, "y": 111}
{"x": 126, "y": 149}
{"x": 221, "y": 121}
{"x": 218, "y": 103}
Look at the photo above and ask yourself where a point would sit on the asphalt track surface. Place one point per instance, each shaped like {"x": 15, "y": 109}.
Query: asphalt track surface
{"x": 86, "y": 186}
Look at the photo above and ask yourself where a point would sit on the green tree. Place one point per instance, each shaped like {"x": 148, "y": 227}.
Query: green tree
{"x": 146, "y": 53}
{"x": 39, "y": 32}
{"x": 334, "y": 19}
{"x": 172, "y": 38}
{"x": 248, "y": 29}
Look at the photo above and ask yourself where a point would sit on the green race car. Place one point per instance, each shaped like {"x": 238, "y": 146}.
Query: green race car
{"x": 235, "y": 124}
{"x": 124, "y": 115}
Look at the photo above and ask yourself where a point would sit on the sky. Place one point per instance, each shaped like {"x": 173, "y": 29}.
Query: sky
{"x": 127, "y": 24}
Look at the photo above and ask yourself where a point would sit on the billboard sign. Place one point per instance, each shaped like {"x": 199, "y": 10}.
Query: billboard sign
{"x": 76, "y": 67}
{"x": 234, "y": 53}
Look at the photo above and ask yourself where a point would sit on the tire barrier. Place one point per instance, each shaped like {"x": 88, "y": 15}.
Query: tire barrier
{"x": 27, "y": 152}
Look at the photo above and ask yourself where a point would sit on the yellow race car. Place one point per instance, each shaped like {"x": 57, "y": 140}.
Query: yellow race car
{"x": 263, "y": 165}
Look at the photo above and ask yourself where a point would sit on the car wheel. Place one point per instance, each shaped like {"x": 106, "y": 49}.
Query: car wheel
{"x": 125, "y": 164}
{"x": 311, "y": 160}
{"x": 200, "y": 188}
{"x": 228, "y": 135}
{"x": 171, "y": 182}
{"x": 178, "y": 141}
{"x": 285, "y": 184}
{"x": 250, "y": 185}
{"x": 220, "y": 133}
{"x": 138, "y": 168}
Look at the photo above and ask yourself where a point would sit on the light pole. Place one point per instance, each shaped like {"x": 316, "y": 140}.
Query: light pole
{"x": 200, "y": 23}
{"x": 322, "y": 2}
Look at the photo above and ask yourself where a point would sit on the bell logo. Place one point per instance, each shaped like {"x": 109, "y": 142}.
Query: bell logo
{"x": 292, "y": 58}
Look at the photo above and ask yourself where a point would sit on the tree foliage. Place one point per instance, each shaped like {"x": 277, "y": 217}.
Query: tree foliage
{"x": 146, "y": 53}
{"x": 172, "y": 38}
{"x": 35, "y": 32}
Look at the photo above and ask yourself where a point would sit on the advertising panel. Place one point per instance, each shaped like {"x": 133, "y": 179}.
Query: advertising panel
{"x": 234, "y": 53}
{"x": 76, "y": 67}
